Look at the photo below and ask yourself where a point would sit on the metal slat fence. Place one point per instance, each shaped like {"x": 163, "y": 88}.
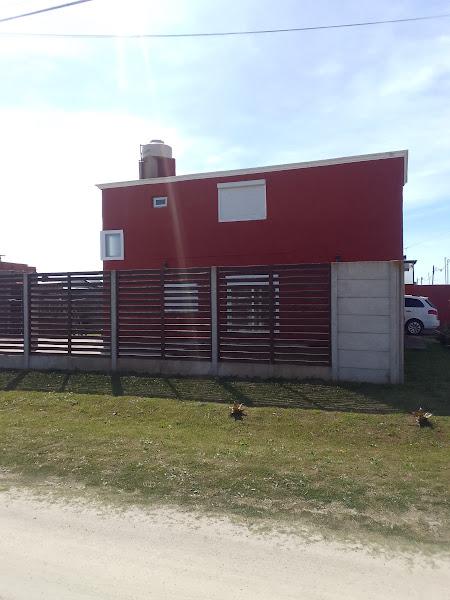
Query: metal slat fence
{"x": 264, "y": 314}
{"x": 164, "y": 314}
{"x": 276, "y": 314}
{"x": 70, "y": 313}
{"x": 11, "y": 313}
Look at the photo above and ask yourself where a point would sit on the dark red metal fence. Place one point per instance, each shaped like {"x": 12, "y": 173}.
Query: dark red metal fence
{"x": 265, "y": 314}
{"x": 277, "y": 314}
{"x": 70, "y": 313}
{"x": 11, "y": 313}
{"x": 164, "y": 314}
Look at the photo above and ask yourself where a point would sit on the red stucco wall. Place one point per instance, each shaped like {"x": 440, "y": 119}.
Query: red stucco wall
{"x": 313, "y": 215}
{"x": 438, "y": 294}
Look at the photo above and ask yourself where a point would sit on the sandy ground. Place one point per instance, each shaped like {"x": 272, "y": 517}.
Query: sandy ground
{"x": 50, "y": 549}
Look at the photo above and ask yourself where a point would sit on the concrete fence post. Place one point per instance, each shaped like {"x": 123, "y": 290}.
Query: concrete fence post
{"x": 214, "y": 323}
{"x": 396, "y": 288}
{"x": 113, "y": 307}
{"x": 26, "y": 320}
{"x": 401, "y": 321}
{"x": 334, "y": 321}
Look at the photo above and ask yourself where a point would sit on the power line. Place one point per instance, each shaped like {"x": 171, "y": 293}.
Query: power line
{"x": 43, "y": 10}
{"x": 439, "y": 237}
{"x": 220, "y": 33}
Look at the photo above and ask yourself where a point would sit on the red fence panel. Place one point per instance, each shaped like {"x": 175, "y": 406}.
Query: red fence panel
{"x": 11, "y": 313}
{"x": 164, "y": 314}
{"x": 70, "y": 313}
{"x": 438, "y": 294}
{"x": 187, "y": 314}
{"x": 139, "y": 327}
{"x": 266, "y": 314}
{"x": 276, "y": 314}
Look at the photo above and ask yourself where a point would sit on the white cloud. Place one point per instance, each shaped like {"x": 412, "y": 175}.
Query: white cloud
{"x": 51, "y": 161}
{"x": 226, "y": 103}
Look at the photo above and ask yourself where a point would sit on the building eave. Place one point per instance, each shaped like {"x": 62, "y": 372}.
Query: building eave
{"x": 268, "y": 169}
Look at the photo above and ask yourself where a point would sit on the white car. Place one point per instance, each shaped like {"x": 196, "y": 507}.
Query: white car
{"x": 420, "y": 314}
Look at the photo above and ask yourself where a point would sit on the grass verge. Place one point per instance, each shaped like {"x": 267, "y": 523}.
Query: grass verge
{"x": 355, "y": 462}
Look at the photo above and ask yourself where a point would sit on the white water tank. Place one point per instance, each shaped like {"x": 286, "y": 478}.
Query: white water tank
{"x": 156, "y": 148}
{"x": 156, "y": 160}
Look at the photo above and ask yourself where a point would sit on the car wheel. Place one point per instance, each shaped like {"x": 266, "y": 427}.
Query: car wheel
{"x": 414, "y": 327}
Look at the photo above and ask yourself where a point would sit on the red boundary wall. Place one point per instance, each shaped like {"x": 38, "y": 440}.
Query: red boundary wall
{"x": 438, "y": 294}
{"x": 16, "y": 267}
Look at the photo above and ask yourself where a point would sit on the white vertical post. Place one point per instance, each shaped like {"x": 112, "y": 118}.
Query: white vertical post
{"x": 214, "y": 324}
{"x": 401, "y": 323}
{"x": 396, "y": 293}
{"x": 113, "y": 275}
{"x": 26, "y": 321}
{"x": 334, "y": 321}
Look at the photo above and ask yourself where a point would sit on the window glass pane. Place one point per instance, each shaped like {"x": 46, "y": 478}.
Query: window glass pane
{"x": 413, "y": 303}
{"x": 113, "y": 246}
{"x": 160, "y": 201}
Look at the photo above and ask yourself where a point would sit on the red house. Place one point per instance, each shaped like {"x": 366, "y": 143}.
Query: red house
{"x": 291, "y": 270}
{"x": 284, "y": 271}
{"x": 342, "y": 209}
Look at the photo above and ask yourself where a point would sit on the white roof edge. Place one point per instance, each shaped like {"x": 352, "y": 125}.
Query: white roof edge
{"x": 286, "y": 167}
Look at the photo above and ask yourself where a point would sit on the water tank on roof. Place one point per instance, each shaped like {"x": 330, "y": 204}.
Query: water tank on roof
{"x": 156, "y": 160}
{"x": 156, "y": 148}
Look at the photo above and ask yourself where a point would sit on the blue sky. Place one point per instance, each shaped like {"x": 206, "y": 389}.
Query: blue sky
{"x": 73, "y": 112}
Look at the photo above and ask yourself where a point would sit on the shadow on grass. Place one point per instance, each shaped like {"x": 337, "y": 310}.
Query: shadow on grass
{"x": 427, "y": 385}
{"x": 15, "y": 380}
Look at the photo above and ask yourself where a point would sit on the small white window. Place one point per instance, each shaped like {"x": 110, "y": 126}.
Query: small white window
{"x": 159, "y": 201}
{"x": 111, "y": 243}
{"x": 242, "y": 201}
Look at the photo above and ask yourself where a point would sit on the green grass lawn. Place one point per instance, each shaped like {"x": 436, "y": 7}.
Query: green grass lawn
{"x": 347, "y": 458}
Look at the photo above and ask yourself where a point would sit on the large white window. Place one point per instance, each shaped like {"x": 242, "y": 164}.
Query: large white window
{"x": 111, "y": 244}
{"x": 242, "y": 201}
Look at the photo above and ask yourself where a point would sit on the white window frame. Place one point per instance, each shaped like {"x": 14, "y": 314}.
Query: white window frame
{"x": 221, "y": 208}
{"x": 103, "y": 236}
{"x": 162, "y": 205}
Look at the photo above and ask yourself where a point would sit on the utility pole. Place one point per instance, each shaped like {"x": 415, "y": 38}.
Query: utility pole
{"x": 435, "y": 270}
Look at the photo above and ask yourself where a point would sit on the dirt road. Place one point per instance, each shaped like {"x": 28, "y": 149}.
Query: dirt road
{"x": 53, "y": 550}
